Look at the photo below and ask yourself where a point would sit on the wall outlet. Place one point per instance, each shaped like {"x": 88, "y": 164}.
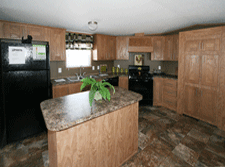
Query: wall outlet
{"x": 59, "y": 70}
{"x": 118, "y": 66}
{"x": 97, "y": 67}
{"x": 93, "y": 67}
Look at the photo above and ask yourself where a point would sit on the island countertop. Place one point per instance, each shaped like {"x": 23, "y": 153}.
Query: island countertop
{"x": 64, "y": 112}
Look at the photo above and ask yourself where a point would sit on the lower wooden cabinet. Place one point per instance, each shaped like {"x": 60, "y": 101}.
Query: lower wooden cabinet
{"x": 123, "y": 82}
{"x": 63, "y": 90}
{"x": 165, "y": 93}
{"x": 201, "y": 103}
{"x": 157, "y": 91}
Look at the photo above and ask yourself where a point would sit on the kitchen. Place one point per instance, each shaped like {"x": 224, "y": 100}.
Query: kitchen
{"x": 56, "y": 38}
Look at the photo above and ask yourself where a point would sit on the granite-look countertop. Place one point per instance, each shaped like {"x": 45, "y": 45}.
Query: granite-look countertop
{"x": 67, "y": 111}
{"x": 110, "y": 75}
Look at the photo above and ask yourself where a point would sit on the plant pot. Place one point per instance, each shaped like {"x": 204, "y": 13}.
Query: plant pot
{"x": 97, "y": 96}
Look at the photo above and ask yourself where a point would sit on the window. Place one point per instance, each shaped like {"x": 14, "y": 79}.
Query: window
{"x": 77, "y": 58}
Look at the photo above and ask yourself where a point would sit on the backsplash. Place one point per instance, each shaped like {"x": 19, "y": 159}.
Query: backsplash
{"x": 54, "y": 65}
{"x": 168, "y": 67}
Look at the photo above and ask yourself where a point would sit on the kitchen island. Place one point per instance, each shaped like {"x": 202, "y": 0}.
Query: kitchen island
{"x": 105, "y": 134}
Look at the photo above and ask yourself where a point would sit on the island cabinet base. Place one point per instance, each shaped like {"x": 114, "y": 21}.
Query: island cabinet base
{"x": 106, "y": 141}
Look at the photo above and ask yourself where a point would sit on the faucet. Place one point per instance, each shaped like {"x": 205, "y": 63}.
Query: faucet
{"x": 80, "y": 72}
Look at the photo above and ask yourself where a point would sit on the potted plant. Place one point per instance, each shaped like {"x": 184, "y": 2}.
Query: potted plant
{"x": 98, "y": 89}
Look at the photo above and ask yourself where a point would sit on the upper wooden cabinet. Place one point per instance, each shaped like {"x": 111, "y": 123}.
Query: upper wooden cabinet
{"x": 158, "y": 48}
{"x": 122, "y": 48}
{"x": 38, "y": 33}
{"x": 140, "y": 44}
{"x": 104, "y": 47}
{"x": 14, "y": 30}
{"x": 55, "y": 36}
{"x": 57, "y": 44}
{"x": 171, "y": 47}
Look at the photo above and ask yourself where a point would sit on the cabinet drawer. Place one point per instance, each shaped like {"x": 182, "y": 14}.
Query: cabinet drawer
{"x": 170, "y": 83}
{"x": 170, "y": 102}
{"x": 170, "y": 91}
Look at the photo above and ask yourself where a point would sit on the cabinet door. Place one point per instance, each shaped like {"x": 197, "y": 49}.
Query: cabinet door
{"x": 112, "y": 48}
{"x": 123, "y": 82}
{"x": 57, "y": 45}
{"x": 122, "y": 48}
{"x": 37, "y": 33}
{"x": 75, "y": 87}
{"x": 176, "y": 47}
{"x": 210, "y": 45}
{"x": 210, "y": 66}
{"x": 208, "y": 107}
{"x": 191, "y": 103}
{"x": 14, "y": 30}
{"x": 158, "y": 48}
{"x": 192, "y": 68}
{"x": 168, "y": 48}
{"x": 60, "y": 90}
{"x": 192, "y": 45}
{"x": 157, "y": 91}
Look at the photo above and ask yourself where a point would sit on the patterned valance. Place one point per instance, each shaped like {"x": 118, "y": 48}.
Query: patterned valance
{"x": 79, "y": 41}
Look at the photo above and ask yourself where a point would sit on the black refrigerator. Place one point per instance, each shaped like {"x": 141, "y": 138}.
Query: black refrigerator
{"x": 24, "y": 83}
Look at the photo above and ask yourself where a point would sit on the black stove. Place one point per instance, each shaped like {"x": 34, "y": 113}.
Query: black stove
{"x": 141, "y": 81}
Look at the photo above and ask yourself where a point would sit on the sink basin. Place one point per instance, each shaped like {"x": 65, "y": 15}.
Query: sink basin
{"x": 74, "y": 78}
{"x": 103, "y": 75}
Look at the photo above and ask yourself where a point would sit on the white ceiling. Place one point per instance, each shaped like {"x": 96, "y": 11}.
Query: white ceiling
{"x": 115, "y": 17}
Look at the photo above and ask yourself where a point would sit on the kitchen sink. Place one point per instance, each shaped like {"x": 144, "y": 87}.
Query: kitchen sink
{"x": 74, "y": 78}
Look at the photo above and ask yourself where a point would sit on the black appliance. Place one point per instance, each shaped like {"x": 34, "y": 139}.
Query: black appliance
{"x": 141, "y": 81}
{"x": 113, "y": 81}
{"x": 25, "y": 83}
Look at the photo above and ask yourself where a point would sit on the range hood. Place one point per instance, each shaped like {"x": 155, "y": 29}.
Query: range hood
{"x": 140, "y": 44}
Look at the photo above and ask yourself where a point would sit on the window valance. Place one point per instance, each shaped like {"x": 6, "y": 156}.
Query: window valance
{"x": 79, "y": 41}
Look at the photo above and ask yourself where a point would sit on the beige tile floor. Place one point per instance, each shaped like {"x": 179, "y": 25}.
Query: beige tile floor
{"x": 165, "y": 139}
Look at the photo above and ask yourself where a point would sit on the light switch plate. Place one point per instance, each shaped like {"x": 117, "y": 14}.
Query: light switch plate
{"x": 97, "y": 67}
{"x": 59, "y": 70}
{"x": 93, "y": 67}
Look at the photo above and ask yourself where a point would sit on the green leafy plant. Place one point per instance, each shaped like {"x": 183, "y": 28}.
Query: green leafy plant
{"x": 98, "y": 89}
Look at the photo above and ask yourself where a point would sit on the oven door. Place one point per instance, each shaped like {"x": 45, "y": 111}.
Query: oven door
{"x": 143, "y": 87}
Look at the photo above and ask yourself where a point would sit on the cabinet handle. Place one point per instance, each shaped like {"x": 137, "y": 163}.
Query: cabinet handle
{"x": 202, "y": 46}
{"x": 199, "y": 45}
{"x": 201, "y": 92}
{"x": 196, "y": 92}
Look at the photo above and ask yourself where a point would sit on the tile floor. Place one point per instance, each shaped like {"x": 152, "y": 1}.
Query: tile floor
{"x": 165, "y": 139}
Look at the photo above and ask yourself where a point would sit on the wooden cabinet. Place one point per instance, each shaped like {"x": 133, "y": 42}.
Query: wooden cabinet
{"x": 208, "y": 105}
{"x": 192, "y": 68}
{"x": 191, "y": 105}
{"x": 57, "y": 45}
{"x": 75, "y": 87}
{"x": 38, "y": 33}
{"x": 59, "y": 91}
{"x": 199, "y": 71}
{"x": 158, "y": 48}
{"x": 104, "y": 47}
{"x": 63, "y": 90}
{"x": 165, "y": 93}
{"x": 171, "y": 47}
{"x": 157, "y": 91}
{"x": 55, "y": 36}
{"x": 122, "y": 48}
{"x": 14, "y": 30}
{"x": 169, "y": 95}
{"x": 140, "y": 44}
{"x": 123, "y": 82}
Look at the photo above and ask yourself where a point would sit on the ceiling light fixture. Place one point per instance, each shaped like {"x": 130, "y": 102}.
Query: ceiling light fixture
{"x": 92, "y": 25}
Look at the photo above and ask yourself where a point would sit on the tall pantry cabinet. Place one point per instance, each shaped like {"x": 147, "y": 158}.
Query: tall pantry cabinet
{"x": 200, "y": 73}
